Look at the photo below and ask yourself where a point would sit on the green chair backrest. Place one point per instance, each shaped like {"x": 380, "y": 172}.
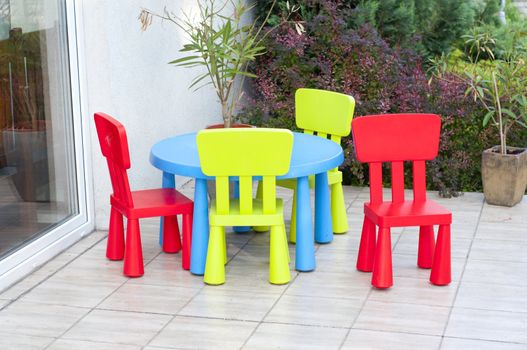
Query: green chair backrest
{"x": 245, "y": 153}
{"x": 324, "y": 113}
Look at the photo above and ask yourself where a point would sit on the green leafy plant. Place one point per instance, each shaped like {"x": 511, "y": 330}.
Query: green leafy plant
{"x": 222, "y": 44}
{"x": 499, "y": 85}
{"x": 504, "y": 96}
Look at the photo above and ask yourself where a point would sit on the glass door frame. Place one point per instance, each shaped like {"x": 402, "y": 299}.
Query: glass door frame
{"x": 31, "y": 256}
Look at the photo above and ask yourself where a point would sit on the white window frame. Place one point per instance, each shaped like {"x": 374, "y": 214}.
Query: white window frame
{"x": 31, "y": 256}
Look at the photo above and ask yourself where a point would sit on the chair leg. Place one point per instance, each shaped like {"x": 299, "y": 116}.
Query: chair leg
{"x": 115, "y": 244}
{"x": 278, "y": 260}
{"x": 441, "y": 273}
{"x": 286, "y": 245}
{"x": 224, "y": 247}
{"x": 187, "y": 241}
{"x": 215, "y": 265}
{"x": 259, "y": 195}
{"x": 382, "y": 265}
{"x": 338, "y": 209}
{"x": 292, "y": 226}
{"x": 171, "y": 238}
{"x": 425, "y": 252}
{"x": 367, "y": 246}
{"x": 133, "y": 254}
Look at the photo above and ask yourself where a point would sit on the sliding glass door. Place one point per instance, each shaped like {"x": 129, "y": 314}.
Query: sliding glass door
{"x": 39, "y": 169}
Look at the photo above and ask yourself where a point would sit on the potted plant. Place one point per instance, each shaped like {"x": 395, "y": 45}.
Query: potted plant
{"x": 24, "y": 139}
{"x": 222, "y": 44}
{"x": 504, "y": 96}
{"x": 500, "y": 86}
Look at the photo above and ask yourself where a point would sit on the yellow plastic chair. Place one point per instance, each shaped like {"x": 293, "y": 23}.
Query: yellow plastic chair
{"x": 245, "y": 153}
{"x": 326, "y": 114}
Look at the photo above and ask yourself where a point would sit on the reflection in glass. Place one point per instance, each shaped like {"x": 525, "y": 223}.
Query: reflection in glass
{"x": 37, "y": 178}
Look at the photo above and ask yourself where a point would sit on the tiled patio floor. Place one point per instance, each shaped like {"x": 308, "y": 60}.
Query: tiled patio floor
{"x": 80, "y": 300}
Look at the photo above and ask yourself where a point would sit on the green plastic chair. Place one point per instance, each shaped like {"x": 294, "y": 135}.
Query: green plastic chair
{"x": 326, "y": 114}
{"x": 245, "y": 153}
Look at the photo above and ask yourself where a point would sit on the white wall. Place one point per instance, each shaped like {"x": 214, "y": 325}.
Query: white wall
{"x": 128, "y": 77}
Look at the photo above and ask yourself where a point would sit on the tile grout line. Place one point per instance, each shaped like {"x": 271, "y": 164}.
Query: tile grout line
{"x": 50, "y": 275}
{"x": 95, "y": 307}
{"x": 364, "y": 302}
{"x": 443, "y": 333}
{"x": 268, "y": 311}
{"x": 317, "y": 247}
{"x": 192, "y": 298}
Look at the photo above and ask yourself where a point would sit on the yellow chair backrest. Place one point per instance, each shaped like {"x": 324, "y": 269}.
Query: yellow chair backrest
{"x": 324, "y": 113}
{"x": 245, "y": 153}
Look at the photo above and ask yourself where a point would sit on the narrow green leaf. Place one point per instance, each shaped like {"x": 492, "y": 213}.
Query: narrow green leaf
{"x": 487, "y": 117}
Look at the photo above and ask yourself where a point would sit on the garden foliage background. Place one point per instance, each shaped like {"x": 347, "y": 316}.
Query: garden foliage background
{"x": 380, "y": 52}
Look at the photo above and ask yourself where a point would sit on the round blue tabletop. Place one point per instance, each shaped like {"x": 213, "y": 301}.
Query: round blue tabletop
{"x": 311, "y": 155}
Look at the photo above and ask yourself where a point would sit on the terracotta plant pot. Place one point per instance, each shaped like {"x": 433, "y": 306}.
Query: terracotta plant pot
{"x": 221, "y": 126}
{"x": 504, "y": 175}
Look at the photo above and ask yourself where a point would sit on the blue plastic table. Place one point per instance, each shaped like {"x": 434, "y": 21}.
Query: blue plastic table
{"x": 311, "y": 155}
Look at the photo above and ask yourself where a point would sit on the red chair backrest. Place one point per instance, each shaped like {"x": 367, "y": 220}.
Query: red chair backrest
{"x": 396, "y": 138}
{"x": 114, "y": 147}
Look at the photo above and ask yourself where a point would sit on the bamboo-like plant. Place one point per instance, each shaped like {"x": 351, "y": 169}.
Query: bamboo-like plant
{"x": 222, "y": 44}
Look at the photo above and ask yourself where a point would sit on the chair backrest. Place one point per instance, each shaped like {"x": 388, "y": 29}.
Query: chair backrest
{"x": 324, "y": 113}
{"x": 397, "y": 138}
{"x": 245, "y": 153}
{"x": 114, "y": 147}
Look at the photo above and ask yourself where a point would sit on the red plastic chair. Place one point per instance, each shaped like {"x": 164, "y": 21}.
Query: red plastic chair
{"x": 397, "y": 138}
{"x": 166, "y": 202}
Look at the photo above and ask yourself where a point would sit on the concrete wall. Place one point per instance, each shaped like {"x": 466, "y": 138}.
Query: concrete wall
{"x": 128, "y": 77}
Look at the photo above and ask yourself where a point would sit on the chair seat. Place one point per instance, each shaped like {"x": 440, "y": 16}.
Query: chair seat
{"x": 155, "y": 202}
{"x": 257, "y": 218}
{"x": 407, "y": 213}
{"x": 333, "y": 178}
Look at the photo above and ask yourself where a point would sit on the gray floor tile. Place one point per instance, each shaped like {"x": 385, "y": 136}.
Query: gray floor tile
{"x": 354, "y": 285}
{"x": 499, "y": 250}
{"x": 39, "y": 319}
{"x": 496, "y": 272}
{"x": 409, "y": 241}
{"x": 79, "y": 293}
{"x": 488, "y": 325}
{"x": 118, "y": 327}
{"x": 492, "y": 297}
{"x": 416, "y": 291}
{"x": 166, "y": 270}
{"x": 65, "y": 344}
{"x": 471, "y": 344}
{"x": 204, "y": 333}
{"x": 406, "y": 266}
{"x": 502, "y": 231}
{"x": 250, "y": 278}
{"x": 291, "y": 337}
{"x": 399, "y": 317}
{"x": 216, "y": 302}
{"x": 315, "y": 311}
{"x": 23, "y": 342}
{"x": 149, "y": 298}
{"x": 376, "y": 340}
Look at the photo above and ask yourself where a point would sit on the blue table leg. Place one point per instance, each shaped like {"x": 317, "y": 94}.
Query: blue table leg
{"x": 323, "y": 224}
{"x": 239, "y": 229}
{"x": 305, "y": 246}
{"x": 200, "y": 229}
{"x": 168, "y": 181}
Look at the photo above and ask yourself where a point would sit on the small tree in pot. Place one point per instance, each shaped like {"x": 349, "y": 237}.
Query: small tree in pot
{"x": 223, "y": 44}
{"x": 500, "y": 85}
{"x": 504, "y": 96}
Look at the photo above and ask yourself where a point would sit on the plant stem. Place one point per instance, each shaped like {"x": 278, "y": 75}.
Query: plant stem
{"x": 500, "y": 117}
